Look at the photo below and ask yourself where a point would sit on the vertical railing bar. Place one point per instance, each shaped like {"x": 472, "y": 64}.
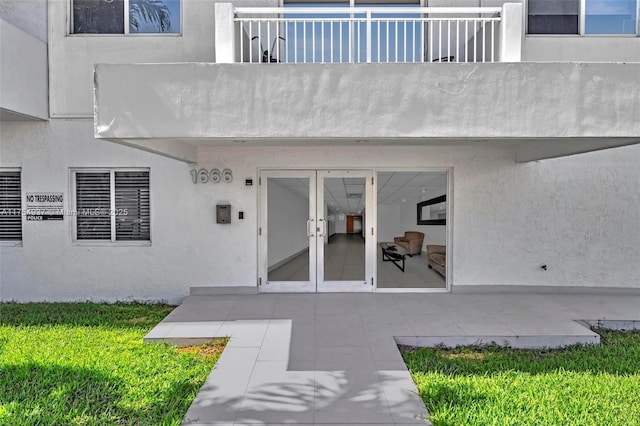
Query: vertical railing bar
{"x": 259, "y": 41}
{"x": 368, "y": 37}
{"x": 261, "y": 53}
{"x": 378, "y": 58}
{"x": 351, "y": 38}
{"x": 331, "y": 40}
{"x": 417, "y": 32}
{"x": 388, "y": 41}
{"x": 360, "y": 41}
{"x": 475, "y": 44}
{"x": 295, "y": 42}
{"x": 484, "y": 41}
{"x": 493, "y": 41}
{"x": 322, "y": 39}
{"x": 267, "y": 45}
{"x": 430, "y": 41}
{"x": 313, "y": 41}
{"x": 240, "y": 41}
{"x": 457, "y": 40}
{"x": 423, "y": 57}
{"x": 440, "y": 41}
{"x": 285, "y": 25}
{"x": 413, "y": 41}
{"x": 404, "y": 41}
{"x": 250, "y": 41}
{"x": 448, "y": 39}
{"x": 396, "y": 41}
{"x": 278, "y": 41}
{"x": 466, "y": 41}
{"x": 340, "y": 44}
{"x": 356, "y": 41}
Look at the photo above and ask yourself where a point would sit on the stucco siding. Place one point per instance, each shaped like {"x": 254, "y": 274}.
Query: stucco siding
{"x": 578, "y": 215}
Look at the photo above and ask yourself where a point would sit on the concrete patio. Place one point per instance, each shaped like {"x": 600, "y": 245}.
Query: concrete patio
{"x": 333, "y": 358}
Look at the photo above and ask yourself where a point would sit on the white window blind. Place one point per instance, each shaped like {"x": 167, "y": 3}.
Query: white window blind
{"x": 93, "y": 195}
{"x": 113, "y": 205}
{"x": 10, "y": 207}
{"x": 132, "y": 206}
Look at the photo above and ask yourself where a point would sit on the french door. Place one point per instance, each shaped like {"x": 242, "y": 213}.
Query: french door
{"x": 304, "y": 245}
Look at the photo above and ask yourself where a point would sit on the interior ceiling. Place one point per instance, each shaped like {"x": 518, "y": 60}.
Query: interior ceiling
{"x": 346, "y": 195}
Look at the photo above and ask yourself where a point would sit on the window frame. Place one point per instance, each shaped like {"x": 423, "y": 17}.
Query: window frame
{"x": 15, "y": 243}
{"x": 112, "y": 195}
{"x": 582, "y": 16}
{"x": 126, "y": 32}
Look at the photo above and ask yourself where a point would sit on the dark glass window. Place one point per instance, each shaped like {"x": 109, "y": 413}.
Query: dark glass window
{"x": 98, "y": 16}
{"x": 554, "y": 17}
{"x": 108, "y": 16}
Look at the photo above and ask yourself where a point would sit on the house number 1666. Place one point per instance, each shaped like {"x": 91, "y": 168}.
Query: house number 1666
{"x": 213, "y": 175}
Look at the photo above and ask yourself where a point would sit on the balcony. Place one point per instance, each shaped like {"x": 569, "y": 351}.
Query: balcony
{"x": 368, "y": 34}
{"x": 23, "y": 75}
{"x": 447, "y": 78}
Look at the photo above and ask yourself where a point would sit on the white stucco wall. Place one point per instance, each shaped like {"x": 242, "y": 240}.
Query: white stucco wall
{"x": 544, "y": 48}
{"x": 579, "y": 215}
{"x": 28, "y": 15}
{"x": 486, "y": 103}
{"x": 188, "y": 248}
{"x": 73, "y": 56}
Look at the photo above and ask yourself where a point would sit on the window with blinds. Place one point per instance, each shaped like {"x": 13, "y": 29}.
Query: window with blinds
{"x": 113, "y": 205}
{"x": 132, "y": 206}
{"x": 10, "y": 207}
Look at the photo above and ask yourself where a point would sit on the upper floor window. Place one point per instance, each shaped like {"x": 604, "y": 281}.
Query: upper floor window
{"x": 613, "y": 17}
{"x": 10, "y": 206}
{"x": 141, "y": 17}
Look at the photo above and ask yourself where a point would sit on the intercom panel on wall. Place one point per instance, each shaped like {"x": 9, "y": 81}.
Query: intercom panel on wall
{"x": 223, "y": 213}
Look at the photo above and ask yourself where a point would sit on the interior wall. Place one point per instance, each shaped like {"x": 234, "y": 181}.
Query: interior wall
{"x": 287, "y": 215}
{"x": 340, "y": 223}
{"x": 395, "y": 219}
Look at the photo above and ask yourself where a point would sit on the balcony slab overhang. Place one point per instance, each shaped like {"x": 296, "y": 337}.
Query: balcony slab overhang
{"x": 542, "y": 110}
{"x": 23, "y": 75}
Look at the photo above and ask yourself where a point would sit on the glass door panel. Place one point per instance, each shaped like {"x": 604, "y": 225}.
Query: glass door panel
{"x": 288, "y": 231}
{"x": 316, "y": 231}
{"x": 344, "y": 215}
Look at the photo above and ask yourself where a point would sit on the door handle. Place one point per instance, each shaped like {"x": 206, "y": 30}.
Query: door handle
{"x": 309, "y": 232}
{"x": 324, "y": 228}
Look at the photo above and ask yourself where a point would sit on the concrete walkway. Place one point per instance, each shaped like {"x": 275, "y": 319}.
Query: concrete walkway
{"x": 333, "y": 358}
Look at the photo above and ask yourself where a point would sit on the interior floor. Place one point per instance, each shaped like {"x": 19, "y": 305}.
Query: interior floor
{"x": 344, "y": 261}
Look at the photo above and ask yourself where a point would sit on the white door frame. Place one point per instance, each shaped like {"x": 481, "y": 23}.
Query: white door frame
{"x": 263, "y": 235}
{"x": 365, "y": 285}
{"x": 316, "y": 230}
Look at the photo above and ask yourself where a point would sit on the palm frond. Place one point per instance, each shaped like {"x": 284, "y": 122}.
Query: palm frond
{"x": 150, "y": 11}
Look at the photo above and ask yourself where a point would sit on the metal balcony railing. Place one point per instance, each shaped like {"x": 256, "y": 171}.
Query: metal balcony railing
{"x": 367, "y": 35}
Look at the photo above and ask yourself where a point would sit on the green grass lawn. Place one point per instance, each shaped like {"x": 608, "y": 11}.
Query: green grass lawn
{"x": 85, "y": 364}
{"x": 579, "y": 385}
